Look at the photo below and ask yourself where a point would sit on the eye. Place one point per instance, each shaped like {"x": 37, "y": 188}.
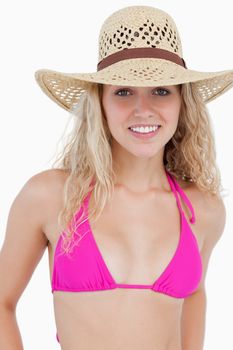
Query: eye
{"x": 119, "y": 92}
{"x": 158, "y": 91}
{"x": 162, "y": 91}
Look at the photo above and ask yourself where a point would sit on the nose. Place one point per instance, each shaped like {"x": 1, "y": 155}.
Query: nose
{"x": 143, "y": 105}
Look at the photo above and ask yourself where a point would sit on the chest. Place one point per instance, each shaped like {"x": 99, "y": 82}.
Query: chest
{"x": 137, "y": 237}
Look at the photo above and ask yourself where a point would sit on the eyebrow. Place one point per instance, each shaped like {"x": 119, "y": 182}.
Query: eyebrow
{"x": 113, "y": 87}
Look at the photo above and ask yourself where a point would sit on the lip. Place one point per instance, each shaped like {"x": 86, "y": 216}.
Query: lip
{"x": 146, "y": 135}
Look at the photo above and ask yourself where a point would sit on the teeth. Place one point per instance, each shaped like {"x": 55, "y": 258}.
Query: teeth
{"x": 146, "y": 129}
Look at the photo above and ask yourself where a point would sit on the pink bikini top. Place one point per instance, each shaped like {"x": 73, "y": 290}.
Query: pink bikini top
{"x": 85, "y": 269}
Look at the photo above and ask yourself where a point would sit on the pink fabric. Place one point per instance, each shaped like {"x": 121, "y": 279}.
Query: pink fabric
{"x": 84, "y": 269}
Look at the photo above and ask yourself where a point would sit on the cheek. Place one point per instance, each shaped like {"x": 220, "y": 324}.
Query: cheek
{"x": 173, "y": 112}
{"x": 115, "y": 115}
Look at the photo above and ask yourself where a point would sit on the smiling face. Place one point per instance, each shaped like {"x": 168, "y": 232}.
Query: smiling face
{"x": 130, "y": 106}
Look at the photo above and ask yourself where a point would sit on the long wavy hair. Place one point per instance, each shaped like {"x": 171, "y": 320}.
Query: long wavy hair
{"x": 189, "y": 155}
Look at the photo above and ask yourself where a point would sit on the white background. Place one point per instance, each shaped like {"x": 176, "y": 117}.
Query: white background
{"x": 63, "y": 36}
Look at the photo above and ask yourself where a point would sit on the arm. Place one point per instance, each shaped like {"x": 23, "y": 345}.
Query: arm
{"x": 22, "y": 250}
{"x": 193, "y": 321}
{"x": 194, "y": 306}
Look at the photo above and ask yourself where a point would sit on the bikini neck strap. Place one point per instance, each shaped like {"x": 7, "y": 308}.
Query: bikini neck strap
{"x": 176, "y": 188}
{"x": 87, "y": 197}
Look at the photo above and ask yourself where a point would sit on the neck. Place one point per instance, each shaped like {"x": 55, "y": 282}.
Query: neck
{"x": 140, "y": 175}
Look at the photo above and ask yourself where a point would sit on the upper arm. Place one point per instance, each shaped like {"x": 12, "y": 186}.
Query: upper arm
{"x": 24, "y": 242}
{"x": 213, "y": 224}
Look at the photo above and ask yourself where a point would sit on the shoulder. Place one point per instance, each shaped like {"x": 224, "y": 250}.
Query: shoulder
{"x": 49, "y": 176}
{"x": 214, "y": 216}
{"x": 47, "y": 181}
{"x": 44, "y": 190}
{"x": 209, "y": 208}
{"x": 210, "y": 215}
{"x": 213, "y": 221}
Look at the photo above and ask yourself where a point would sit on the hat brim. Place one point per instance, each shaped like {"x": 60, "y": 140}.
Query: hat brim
{"x": 66, "y": 88}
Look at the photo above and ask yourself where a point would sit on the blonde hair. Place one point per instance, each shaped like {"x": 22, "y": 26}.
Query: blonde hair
{"x": 189, "y": 155}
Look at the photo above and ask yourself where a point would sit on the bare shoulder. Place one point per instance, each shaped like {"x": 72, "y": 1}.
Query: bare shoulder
{"x": 209, "y": 210}
{"x": 49, "y": 177}
{"x": 47, "y": 184}
{"x": 210, "y": 215}
{"x": 214, "y": 216}
{"x": 44, "y": 191}
{"x": 207, "y": 203}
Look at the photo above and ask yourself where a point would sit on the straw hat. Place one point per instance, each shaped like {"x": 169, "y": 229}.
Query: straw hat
{"x": 138, "y": 46}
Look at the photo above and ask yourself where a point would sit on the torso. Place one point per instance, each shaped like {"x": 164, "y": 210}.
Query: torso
{"x": 132, "y": 246}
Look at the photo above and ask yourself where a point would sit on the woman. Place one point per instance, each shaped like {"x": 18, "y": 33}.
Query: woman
{"x": 133, "y": 209}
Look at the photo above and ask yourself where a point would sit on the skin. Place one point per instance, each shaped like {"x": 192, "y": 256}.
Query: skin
{"x": 138, "y": 163}
{"x": 135, "y": 248}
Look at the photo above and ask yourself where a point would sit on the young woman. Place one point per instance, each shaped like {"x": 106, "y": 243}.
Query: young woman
{"x": 132, "y": 209}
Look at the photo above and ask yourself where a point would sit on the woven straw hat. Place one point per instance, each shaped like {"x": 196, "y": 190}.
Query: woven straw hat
{"x": 138, "y": 46}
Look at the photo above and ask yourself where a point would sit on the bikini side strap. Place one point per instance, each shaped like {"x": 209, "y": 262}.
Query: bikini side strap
{"x": 186, "y": 199}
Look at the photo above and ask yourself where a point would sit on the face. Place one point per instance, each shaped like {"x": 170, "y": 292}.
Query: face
{"x": 128, "y": 106}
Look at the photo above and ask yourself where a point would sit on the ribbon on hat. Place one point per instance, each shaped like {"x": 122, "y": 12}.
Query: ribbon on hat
{"x": 140, "y": 52}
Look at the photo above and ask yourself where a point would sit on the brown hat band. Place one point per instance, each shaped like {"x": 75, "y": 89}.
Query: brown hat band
{"x": 140, "y": 52}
